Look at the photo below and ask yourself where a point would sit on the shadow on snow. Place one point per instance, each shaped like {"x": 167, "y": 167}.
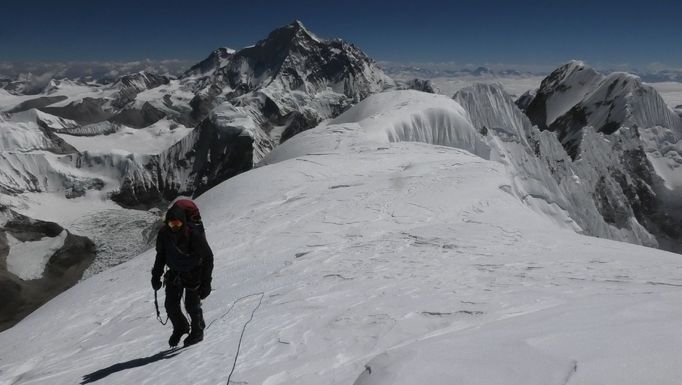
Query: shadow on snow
{"x": 99, "y": 374}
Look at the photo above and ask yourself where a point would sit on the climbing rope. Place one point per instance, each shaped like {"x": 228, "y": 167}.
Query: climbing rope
{"x": 158, "y": 313}
{"x": 239, "y": 345}
{"x": 232, "y": 306}
{"x": 241, "y": 336}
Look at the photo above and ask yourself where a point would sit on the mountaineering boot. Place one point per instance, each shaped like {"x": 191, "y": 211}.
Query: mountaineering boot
{"x": 197, "y": 333}
{"x": 194, "y": 337}
{"x": 175, "y": 337}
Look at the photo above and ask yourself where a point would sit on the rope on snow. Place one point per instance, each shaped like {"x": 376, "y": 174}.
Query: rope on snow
{"x": 232, "y": 306}
{"x": 239, "y": 345}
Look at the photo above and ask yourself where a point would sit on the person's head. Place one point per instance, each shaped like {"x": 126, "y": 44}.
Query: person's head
{"x": 175, "y": 218}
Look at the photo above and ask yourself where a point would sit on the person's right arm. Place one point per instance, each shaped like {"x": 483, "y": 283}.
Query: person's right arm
{"x": 159, "y": 261}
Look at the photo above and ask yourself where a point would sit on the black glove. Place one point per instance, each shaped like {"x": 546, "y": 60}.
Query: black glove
{"x": 156, "y": 283}
{"x": 204, "y": 290}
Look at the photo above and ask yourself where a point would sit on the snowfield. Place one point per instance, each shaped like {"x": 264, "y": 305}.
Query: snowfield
{"x": 153, "y": 139}
{"x": 354, "y": 257}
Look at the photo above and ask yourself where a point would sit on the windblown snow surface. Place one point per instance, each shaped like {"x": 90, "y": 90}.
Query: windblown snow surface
{"x": 363, "y": 259}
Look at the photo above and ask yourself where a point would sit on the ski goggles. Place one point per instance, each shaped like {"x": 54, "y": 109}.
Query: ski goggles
{"x": 175, "y": 224}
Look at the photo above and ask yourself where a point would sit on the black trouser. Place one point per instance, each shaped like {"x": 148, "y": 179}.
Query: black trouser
{"x": 174, "y": 290}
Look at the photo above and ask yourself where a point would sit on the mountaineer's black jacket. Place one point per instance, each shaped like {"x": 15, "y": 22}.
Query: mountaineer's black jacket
{"x": 184, "y": 251}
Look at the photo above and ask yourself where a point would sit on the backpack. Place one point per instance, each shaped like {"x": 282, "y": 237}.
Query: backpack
{"x": 176, "y": 258}
{"x": 191, "y": 211}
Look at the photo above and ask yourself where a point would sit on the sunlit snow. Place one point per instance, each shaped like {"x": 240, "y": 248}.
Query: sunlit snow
{"x": 374, "y": 261}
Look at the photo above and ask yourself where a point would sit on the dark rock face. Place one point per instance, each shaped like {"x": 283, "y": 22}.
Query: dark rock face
{"x": 78, "y": 189}
{"x": 536, "y": 110}
{"x": 213, "y": 62}
{"x": 64, "y": 268}
{"x": 202, "y": 104}
{"x": 22, "y": 87}
{"x": 418, "y": 85}
{"x": 213, "y": 152}
{"x": 141, "y": 118}
{"x": 639, "y": 183}
{"x": 524, "y": 100}
{"x": 59, "y": 145}
{"x": 134, "y": 194}
{"x": 569, "y": 129}
{"x": 297, "y": 122}
{"x": 236, "y": 155}
{"x": 131, "y": 85}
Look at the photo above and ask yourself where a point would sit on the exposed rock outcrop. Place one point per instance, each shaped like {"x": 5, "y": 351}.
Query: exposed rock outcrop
{"x": 62, "y": 269}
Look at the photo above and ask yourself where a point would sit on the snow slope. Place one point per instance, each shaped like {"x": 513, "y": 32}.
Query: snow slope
{"x": 153, "y": 139}
{"x": 671, "y": 92}
{"x": 374, "y": 261}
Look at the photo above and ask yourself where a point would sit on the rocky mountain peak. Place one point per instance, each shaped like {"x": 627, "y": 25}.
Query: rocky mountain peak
{"x": 216, "y": 60}
{"x": 276, "y": 47}
{"x": 141, "y": 80}
{"x": 295, "y": 32}
{"x": 562, "y": 89}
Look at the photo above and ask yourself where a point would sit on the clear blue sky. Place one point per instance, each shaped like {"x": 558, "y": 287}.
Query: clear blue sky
{"x": 492, "y": 31}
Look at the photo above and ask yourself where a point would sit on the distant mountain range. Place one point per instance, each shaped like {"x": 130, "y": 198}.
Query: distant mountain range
{"x": 430, "y": 70}
{"x": 32, "y": 78}
{"x": 439, "y": 70}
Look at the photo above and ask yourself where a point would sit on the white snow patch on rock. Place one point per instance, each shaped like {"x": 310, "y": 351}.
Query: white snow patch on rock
{"x": 27, "y": 260}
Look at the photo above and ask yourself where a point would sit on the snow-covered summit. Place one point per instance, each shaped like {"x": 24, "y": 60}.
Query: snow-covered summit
{"x": 574, "y": 96}
{"x": 289, "y": 36}
{"x": 292, "y": 58}
{"x": 560, "y": 91}
{"x": 636, "y": 128}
